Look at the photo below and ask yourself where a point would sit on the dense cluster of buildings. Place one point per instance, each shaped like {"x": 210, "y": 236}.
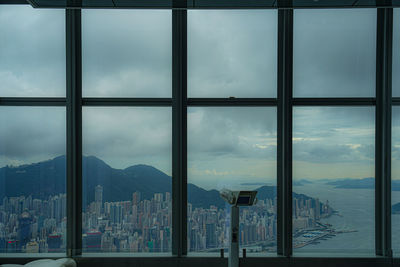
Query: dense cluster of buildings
{"x": 33, "y": 225}
{"x": 208, "y": 229}
{"x": 137, "y": 225}
{"x": 307, "y": 212}
{"x": 143, "y": 225}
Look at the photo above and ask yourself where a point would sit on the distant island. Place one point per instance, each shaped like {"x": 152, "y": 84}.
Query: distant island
{"x": 301, "y": 182}
{"x": 364, "y": 183}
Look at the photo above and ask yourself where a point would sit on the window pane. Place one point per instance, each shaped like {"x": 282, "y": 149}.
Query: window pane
{"x": 126, "y": 179}
{"x": 396, "y": 181}
{"x": 126, "y": 53}
{"x": 232, "y": 53}
{"x": 396, "y": 53}
{"x": 31, "y": 51}
{"x": 333, "y": 180}
{"x": 32, "y": 180}
{"x": 233, "y": 148}
{"x": 334, "y": 53}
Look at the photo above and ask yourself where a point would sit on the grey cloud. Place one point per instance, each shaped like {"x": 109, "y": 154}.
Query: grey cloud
{"x": 127, "y": 53}
{"x": 396, "y": 52}
{"x": 128, "y": 136}
{"x": 396, "y": 133}
{"x": 232, "y": 53}
{"x": 324, "y": 119}
{"x": 332, "y": 153}
{"x": 334, "y": 134}
{"x": 32, "y": 51}
{"x": 334, "y": 52}
{"x": 240, "y": 132}
{"x": 31, "y": 134}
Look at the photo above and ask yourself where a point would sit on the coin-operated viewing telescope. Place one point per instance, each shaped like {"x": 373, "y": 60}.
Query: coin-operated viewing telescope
{"x": 236, "y": 199}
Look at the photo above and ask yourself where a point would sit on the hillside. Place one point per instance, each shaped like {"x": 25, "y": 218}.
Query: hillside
{"x": 43, "y": 179}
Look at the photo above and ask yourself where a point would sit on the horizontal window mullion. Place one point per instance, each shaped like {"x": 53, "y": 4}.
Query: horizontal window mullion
{"x": 232, "y": 102}
{"x": 396, "y": 101}
{"x": 14, "y": 2}
{"x": 333, "y": 101}
{"x": 88, "y": 101}
{"x": 33, "y": 101}
{"x": 183, "y": 5}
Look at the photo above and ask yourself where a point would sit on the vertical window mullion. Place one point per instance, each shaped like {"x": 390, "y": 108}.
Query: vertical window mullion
{"x": 285, "y": 77}
{"x": 74, "y": 131}
{"x": 383, "y": 132}
{"x": 179, "y": 132}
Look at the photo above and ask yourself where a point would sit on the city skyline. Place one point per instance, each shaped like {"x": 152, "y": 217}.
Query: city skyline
{"x": 121, "y": 226}
{"x": 117, "y": 220}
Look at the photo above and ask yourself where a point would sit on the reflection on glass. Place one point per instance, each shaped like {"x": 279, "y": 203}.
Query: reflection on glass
{"x": 333, "y": 179}
{"x": 233, "y": 148}
{"x": 126, "y": 53}
{"x": 32, "y": 180}
{"x": 126, "y": 180}
{"x": 232, "y": 53}
{"x": 396, "y": 53}
{"x": 396, "y": 180}
{"x": 31, "y": 51}
{"x": 334, "y": 53}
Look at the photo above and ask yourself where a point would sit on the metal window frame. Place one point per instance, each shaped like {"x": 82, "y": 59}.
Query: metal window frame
{"x": 74, "y": 131}
{"x": 179, "y": 133}
{"x": 285, "y": 132}
{"x": 383, "y": 133}
{"x": 207, "y": 4}
{"x": 179, "y": 103}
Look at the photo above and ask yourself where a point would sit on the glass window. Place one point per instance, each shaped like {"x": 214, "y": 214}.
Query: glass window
{"x": 232, "y": 53}
{"x": 126, "y": 53}
{"x": 334, "y": 53}
{"x": 32, "y": 180}
{"x": 333, "y": 180}
{"x": 31, "y": 51}
{"x": 127, "y": 179}
{"x": 396, "y": 180}
{"x": 233, "y": 148}
{"x": 396, "y": 53}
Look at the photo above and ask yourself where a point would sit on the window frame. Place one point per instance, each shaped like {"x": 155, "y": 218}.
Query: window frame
{"x": 284, "y": 102}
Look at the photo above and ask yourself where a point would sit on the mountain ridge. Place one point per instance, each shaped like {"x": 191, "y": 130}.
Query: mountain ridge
{"x": 42, "y": 179}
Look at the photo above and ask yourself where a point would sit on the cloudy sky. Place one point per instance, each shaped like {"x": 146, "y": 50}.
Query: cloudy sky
{"x": 230, "y": 53}
{"x": 32, "y": 52}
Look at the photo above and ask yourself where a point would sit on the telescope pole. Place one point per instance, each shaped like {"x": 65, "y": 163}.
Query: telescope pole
{"x": 234, "y": 238}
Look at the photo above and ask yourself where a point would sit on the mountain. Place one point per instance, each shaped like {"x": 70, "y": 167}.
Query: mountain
{"x": 40, "y": 180}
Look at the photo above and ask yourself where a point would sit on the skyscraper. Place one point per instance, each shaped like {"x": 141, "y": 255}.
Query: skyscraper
{"x": 24, "y": 229}
{"x": 136, "y": 198}
{"x": 98, "y": 198}
{"x": 211, "y": 238}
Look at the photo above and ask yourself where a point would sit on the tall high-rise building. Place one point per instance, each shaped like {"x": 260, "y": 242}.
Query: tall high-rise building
{"x": 92, "y": 241}
{"x": 98, "y": 195}
{"x": 136, "y": 198}
{"x": 54, "y": 242}
{"x": 98, "y": 198}
{"x": 211, "y": 237}
{"x": 317, "y": 209}
{"x": 24, "y": 229}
